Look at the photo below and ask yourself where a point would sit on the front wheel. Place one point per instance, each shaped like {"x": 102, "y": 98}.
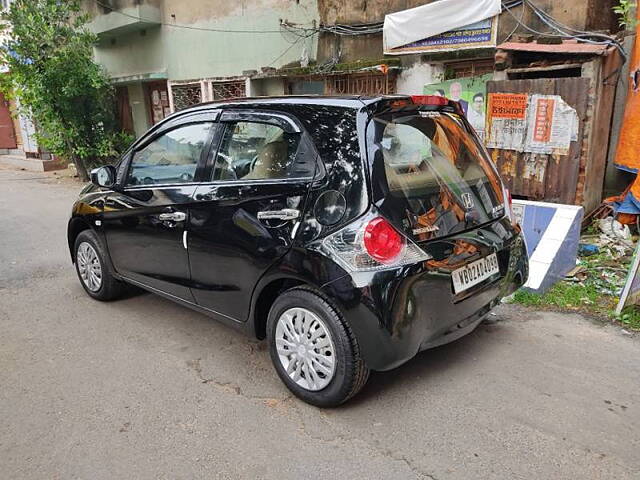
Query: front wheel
{"x": 93, "y": 270}
{"x": 313, "y": 348}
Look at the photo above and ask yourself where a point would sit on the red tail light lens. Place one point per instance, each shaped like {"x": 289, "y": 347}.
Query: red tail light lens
{"x": 430, "y": 100}
{"x": 382, "y": 241}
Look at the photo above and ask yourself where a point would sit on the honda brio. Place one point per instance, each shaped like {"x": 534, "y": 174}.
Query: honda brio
{"x": 350, "y": 232}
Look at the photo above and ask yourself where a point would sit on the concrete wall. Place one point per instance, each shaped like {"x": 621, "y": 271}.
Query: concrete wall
{"x": 198, "y": 52}
{"x": 416, "y": 75}
{"x": 266, "y": 87}
{"x": 135, "y": 53}
{"x": 578, "y": 14}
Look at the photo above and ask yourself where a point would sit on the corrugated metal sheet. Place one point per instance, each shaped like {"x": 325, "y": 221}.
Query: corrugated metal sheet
{"x": 552, "y": 178}
{"x": 567, "y": 46}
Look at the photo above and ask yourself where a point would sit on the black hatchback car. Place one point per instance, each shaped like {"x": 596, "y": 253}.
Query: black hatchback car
{"x": 350, "y": 232}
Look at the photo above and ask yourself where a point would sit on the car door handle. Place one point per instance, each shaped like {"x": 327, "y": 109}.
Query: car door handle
{"x": 172, "y": 217}
{"x": 284, "y": 214}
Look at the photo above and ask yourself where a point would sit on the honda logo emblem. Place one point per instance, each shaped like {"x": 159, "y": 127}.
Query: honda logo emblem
{"x": 467, "y": 200}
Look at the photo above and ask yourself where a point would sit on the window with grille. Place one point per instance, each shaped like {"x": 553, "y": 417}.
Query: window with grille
{"x": 368, "y": 84}
{"x": 185, "y": 95}
{"x": 222, "y": 90}
{"x": 468, "y": 68}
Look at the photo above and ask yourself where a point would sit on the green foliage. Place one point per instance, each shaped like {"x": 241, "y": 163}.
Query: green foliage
{"x": 565, "y": 295}
{"x": 49, "y": 53}
{"x": 596, "y": 294}
{"x": 630, "y": 317}
{"x": 625, "y": 10}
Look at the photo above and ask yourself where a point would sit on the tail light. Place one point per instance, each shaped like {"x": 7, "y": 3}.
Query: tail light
{"x": 430, "y": 100}
{"x": 371, "y": 243}
{"x": 382, "y": 241}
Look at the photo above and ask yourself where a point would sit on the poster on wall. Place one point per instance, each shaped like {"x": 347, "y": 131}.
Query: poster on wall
{"x": 470, "y": 92}
{"x": 477, "y": 35}
{"x": 506, "y": 125}
{"x": 543, "y": 124}
{"x": 553, "y": 125}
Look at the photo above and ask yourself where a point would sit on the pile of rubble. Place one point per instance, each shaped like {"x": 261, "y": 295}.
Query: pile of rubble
{"x": 604, "y": 256}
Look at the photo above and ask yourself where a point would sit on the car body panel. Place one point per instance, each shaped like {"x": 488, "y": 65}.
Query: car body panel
{"x": 232, "y": 257}
{"x": 145, "y": 248}
{"x": 230, "y": 248}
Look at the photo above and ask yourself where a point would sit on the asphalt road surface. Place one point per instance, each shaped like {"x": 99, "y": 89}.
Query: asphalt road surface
{"x": 144, "y": 388}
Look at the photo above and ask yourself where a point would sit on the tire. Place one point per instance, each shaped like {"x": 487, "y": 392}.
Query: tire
{"x": 85, "y": 246}
{"x": 331, "y": 338}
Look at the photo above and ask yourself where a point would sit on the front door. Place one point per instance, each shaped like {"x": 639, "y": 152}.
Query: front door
{"x": 145, "y": 223}
{"x": 245, "y": 218}
{"x": 7, "y": 132}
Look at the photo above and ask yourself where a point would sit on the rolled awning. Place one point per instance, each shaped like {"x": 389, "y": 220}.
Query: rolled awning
{"x": 407, "y": 26}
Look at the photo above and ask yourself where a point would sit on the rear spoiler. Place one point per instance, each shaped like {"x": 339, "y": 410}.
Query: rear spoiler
{"x": 420, "y": 102}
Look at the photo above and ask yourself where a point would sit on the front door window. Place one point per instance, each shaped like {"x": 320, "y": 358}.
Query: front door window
{"x": 170, "y": 159}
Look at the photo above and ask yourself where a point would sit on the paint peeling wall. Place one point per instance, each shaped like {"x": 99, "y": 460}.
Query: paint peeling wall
{"x": 579, "y": 14}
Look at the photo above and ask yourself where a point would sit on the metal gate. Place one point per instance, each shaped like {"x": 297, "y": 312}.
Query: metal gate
{"x": 552, "y": 178}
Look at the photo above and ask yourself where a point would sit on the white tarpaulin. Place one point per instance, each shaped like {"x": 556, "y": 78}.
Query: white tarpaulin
{"x": 417, "y": 23}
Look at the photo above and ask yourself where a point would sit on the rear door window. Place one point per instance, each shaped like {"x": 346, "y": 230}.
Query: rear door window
{"x": 435, "y": 180}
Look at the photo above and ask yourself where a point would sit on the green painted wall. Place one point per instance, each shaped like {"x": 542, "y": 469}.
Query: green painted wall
{"x": 192, "y": 54}
{"x": 133, "y": 53}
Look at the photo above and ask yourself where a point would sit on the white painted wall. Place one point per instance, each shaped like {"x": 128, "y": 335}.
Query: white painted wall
{"x": 413, "y": 78}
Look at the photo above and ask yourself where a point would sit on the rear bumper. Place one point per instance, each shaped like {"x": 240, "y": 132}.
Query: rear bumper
{"x": 397, "y": 313}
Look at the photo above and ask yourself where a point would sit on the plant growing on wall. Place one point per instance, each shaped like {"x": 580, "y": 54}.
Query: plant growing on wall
{"x": 49, "y": 55}
{"x": 625, "y": 10}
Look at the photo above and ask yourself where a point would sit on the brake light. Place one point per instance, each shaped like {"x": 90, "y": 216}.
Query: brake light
{"x": 382, "y": 241}
{"x": 430, "y": 100}
{"x": 371, "y": 243}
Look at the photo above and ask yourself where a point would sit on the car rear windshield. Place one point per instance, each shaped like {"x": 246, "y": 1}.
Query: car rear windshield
{"x": 431, "y": 176}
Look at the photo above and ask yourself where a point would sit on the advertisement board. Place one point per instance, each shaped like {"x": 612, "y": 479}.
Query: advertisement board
{"x": 477, "y": 35}
{"x": 470, "y": 92}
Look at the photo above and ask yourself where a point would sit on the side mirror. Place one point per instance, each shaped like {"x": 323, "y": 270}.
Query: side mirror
{"x": 104, "y": 176}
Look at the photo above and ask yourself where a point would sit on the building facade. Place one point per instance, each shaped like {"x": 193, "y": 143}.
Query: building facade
{"x": 164, "y": 55}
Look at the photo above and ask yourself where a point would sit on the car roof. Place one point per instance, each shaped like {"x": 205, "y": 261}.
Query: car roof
{"x": 345, "y": 101}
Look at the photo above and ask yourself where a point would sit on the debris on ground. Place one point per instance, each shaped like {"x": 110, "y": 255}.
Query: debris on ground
{"x": 594, "y": 285}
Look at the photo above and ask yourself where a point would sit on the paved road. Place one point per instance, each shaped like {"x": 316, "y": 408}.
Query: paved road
{"x": 143, "y": 388}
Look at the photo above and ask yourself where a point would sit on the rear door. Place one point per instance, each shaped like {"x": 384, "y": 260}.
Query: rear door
{"x": 145, "y": 222}
{"x": 246, "y": 216}
{"x": 436, "y": 184}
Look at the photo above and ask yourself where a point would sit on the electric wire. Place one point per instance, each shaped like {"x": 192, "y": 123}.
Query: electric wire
{"x": 562, "y": 30}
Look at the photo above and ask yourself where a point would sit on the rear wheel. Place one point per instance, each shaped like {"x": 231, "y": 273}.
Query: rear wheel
{"x": 93, "y": 270}
{"x": 313, "y": 349}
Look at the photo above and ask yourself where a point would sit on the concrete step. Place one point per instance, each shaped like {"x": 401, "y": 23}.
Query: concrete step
{"x": 32, "y": 164}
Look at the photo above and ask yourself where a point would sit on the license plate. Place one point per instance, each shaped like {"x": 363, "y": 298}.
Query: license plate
{"x": 474, "y": 273}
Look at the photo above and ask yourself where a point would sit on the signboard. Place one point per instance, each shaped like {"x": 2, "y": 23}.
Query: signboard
{"x": 506, "y": 120}
{"x": 477, "y": 35}
{"x": 470, "y": 92}
{"x": 543, "y": 124}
